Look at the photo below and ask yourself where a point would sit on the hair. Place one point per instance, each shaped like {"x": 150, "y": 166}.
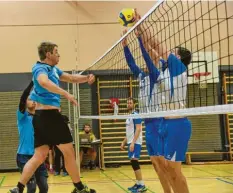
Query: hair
{"x": 86, "y": 124}
{"x": 131, "y": 99}
{"x": 44, "y": 48}
{"x": 185, "y": 54}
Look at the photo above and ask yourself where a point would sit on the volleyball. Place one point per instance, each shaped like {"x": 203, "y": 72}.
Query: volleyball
{"x": 127, "y": 17}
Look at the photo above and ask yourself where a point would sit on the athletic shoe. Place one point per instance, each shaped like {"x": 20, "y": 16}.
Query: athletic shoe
{"x": 84, "y": 190}
{"x": 64, "y": 174}
{"x": 139, "y": 188}
{"x": 132, "y": 187}
{"x": 14, "y": 190}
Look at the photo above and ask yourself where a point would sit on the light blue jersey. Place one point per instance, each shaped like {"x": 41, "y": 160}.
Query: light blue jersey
{"x": 26, "y": 133}
{"x": 40, "y": 94}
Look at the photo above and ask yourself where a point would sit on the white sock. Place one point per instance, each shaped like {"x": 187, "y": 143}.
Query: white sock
{"x": 50, "y": 166}
{"x": 140, "y": 182}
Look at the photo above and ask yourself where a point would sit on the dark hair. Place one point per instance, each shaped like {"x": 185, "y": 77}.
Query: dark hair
{"x": 185, "y": 54}
{"x": 131, "y": 99}
{"x": 44, "y": 48}
{"x": 86, "y": 124}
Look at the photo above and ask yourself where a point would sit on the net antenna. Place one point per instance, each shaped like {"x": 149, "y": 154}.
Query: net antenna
{"x": 201, "y": 79}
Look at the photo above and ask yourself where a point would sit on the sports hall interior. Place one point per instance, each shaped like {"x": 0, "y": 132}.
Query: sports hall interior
{"x": 84, "y": 31}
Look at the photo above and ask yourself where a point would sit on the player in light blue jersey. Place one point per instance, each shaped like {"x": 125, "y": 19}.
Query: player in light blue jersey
{"x": 175, "y": 132}
{"x": 25, "y": 150}
{"x": 133, "y": 140}
{"x": 48, "y": 120}
{"x": 149, "y": 99}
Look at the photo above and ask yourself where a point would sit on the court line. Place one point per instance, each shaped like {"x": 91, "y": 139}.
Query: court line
{"x": 134, "y": 180}
{"x": 224, "y": 181}
{"x": 220, "y": 170}
{"x": 205, "y": 171}
{"x": 114, "y": 181}
{"x": 2, "y": 180}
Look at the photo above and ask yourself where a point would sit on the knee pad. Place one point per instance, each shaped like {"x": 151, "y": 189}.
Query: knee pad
{"x": 135, "y": 165}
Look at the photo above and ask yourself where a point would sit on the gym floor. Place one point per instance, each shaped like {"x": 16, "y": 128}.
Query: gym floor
{"x": 201, "y": 179}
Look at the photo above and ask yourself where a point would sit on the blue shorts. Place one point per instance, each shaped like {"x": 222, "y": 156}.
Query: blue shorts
{"x": 136, "y": 153}
{"x": 152, "y": 135}
{"x": 174, "y": 138}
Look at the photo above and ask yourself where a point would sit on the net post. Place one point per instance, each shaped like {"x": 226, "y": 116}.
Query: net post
{"x": 227, "y": 116}
{"x": 102, "y": 164}
{"x": 76, "y": 129}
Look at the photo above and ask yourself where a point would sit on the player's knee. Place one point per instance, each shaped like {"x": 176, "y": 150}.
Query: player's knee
{"x": 41, "y": 154}
{"x": 173, "y": 172}
{"x": 135, "y": 164}
{"x": 68, "y": 152}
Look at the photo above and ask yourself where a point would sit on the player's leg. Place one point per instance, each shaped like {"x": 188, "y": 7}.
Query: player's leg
{"x": 57, "y": 161}
{"x": 176, "y": 144}
{"x": 81, "y": 152}
{"x": 30, "y": 167}
{"x": 51, "y": 160}
{"x": 134, "y": 156}
{"x": 63, "y": 166}
{"x": 154, "y": 144}
{"x": 41, "y": 176}
{"x": 92, "y": 154}
{"x": 72, "y": 168}
{"x": 159, "y": 164}
{"x": 21, "y": 161}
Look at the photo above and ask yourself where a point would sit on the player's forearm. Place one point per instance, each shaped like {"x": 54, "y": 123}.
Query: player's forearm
{"x": 77, "y": 78}
{"x": 131, "y": 62}
{"x": 51, "y": 87}
{"x": 23, "y": 98}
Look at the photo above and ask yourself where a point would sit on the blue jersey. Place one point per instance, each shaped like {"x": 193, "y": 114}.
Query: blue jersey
{"x": 26, "y": 133}
{"x": 40, "y": 94}
{"x": 149, "y": 93}
{"x": 174, "y": 83}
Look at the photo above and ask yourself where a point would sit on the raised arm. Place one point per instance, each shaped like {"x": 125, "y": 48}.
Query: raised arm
{"x": 154, "y": 72}
{"x": 129, "y": 58}
{"x": 41, "y": 74}
{"x": 23, "y": 98}
{"x": 151, "y": 42}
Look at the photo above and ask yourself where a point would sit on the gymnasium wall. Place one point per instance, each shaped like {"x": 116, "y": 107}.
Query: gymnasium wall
{"x": 93, "y": 25}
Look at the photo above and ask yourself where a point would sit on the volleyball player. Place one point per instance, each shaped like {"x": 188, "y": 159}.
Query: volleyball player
{"x": 25, "y": 150}
{"x": 149, "y": 100}
{"x": 175, "y": 131}
{"x": 48, "y": 120}
{"x": 133, "y": 140}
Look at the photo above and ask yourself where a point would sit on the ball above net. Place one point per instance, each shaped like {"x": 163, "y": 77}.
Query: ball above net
{"x": 127, "y": 17}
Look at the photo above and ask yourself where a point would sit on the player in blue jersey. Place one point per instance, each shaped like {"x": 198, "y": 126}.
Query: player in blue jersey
{"x": 48, "y": 120}
{"x": 133, "y": 140}
{"x": 26, "y": 142}
{"x": 175, "y": 132}
{"x": 149, "y": 101}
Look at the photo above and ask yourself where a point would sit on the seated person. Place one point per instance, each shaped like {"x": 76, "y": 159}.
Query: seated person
{"x": 86, "y": 136}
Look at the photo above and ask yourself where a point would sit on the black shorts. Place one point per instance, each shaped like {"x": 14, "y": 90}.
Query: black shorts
{"x": 50, "y": 128}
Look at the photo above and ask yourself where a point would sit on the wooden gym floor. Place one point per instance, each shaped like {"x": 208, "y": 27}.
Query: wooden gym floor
{"x": 201, "y": 179}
